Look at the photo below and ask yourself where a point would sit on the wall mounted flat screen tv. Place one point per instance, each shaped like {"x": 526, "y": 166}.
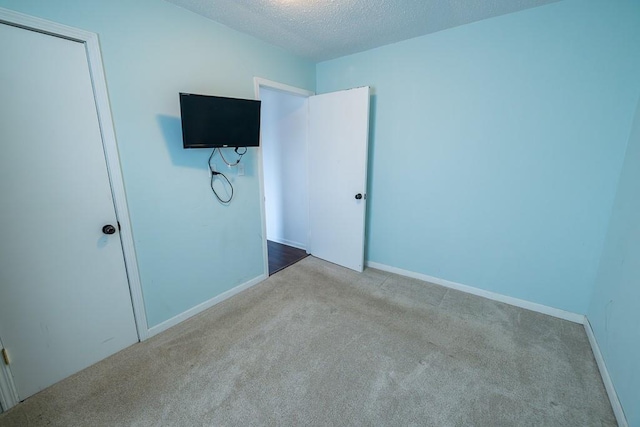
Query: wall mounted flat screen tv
{"x": 216, "y": 122}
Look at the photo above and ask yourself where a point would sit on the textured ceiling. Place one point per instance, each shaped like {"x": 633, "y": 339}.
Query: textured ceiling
{"x": 327, "y": 29}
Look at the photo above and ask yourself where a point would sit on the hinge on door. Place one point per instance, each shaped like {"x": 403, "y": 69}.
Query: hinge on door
{"x": 5, "y": 356}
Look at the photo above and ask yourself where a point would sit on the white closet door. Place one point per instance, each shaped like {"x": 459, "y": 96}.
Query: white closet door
{"x": 338, "y": 149}
{"x": 64, "y": 295}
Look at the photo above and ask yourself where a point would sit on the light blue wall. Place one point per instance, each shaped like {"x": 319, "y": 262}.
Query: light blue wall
{"x": 497, "y": 146}
{"x": 190, "y": 248}
{"x": 615, "y": 306}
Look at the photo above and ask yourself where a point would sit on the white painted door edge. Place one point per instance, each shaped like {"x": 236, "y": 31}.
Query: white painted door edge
{"x": 257, "y": 83}
{"x": 117, "y": 184}
{"x": 618, "y": 411}
{"x": 105, "y": 119}
{"x": 8, "y": 391}
{"x": 551, "y": 311}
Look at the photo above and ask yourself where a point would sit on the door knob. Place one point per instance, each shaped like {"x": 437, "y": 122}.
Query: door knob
{"x": 108, "y": 229}
{"x": 358, "y": 196}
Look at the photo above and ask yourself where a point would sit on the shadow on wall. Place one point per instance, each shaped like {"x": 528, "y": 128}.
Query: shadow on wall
{"x": 171, "y": 128}
{"x": 196, "y": 158}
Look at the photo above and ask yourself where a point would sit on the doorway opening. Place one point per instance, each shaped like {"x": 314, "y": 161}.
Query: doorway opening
{"x": 284, "y": 133}
{"x": 314, "y": 171}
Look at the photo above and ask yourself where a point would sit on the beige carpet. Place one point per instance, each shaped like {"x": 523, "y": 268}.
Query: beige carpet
{"x": 317, "y": 344}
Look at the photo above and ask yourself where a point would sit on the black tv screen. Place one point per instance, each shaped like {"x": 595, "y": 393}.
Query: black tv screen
{"x": 215, "y": 121}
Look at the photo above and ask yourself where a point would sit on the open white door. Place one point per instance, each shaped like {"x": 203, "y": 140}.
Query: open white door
{"x": 338, "y": 149}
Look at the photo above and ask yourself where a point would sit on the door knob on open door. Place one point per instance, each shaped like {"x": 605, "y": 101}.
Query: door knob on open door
{"x": 108, "y": 229}
{"x": 358, "y": 196}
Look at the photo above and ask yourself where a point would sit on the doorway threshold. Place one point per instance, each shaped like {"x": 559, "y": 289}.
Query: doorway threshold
{"x": 282, "y": 256}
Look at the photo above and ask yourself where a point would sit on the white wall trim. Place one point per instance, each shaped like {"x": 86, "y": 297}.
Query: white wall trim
{"x": 566, "y": 315}
{"x": 292, "y": 90}
{"x": 94, "y": 58}
{"x": 8, "y": 392}
{"x": 117, "y": 183}
{"x": 606, "y": 378}
{"x": 257, "y": 83}
{"x": 290, "y": 243}
{"x": 205, "y": 305}
{"x": 555, "y": 312}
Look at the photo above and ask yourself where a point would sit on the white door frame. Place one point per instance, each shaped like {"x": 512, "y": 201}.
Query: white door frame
{"x": 8, "y": 393}
{"x": 8, "y": 390}
{"x": 259, "y": 82}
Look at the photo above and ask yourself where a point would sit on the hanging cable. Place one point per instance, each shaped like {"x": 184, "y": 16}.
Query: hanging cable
{"x": 237, "y": 152}
{"x": 215, "y": 173}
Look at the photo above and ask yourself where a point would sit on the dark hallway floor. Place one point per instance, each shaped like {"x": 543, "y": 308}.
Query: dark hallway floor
{"x": 282, "y": 256}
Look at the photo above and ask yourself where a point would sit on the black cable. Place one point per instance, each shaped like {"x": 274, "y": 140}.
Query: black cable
{"x": 212, "y": 153}
{"x": 238, "y": 153}
{"x": 213, "y": 175}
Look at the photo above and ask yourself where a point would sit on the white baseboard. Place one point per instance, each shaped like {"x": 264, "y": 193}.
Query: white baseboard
{"x": 289, "y": 243}
{"x": 606, "y": 378}
{"x": 203, "y": 306}
{"x": 551, "y": 311}
{"x": 555, "y": 312}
